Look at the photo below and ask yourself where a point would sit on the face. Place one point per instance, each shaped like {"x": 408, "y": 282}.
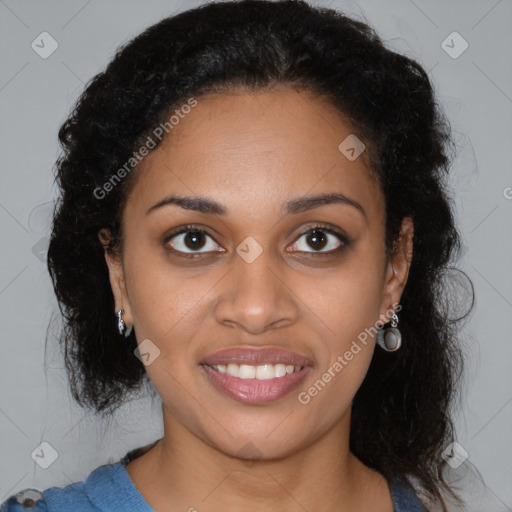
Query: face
{"x": 254, "y": 274}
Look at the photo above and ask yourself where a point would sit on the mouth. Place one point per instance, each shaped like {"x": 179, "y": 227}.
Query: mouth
{"x": 255, "y": 376}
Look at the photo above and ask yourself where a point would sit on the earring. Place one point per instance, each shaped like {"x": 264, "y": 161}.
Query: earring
{"x": 121, "y": 326}
{"x": 390, "y": 339}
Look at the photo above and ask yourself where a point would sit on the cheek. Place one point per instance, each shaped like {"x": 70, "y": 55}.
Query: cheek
{"x": 161, "y": 300}
{"x": 342, "y": 310}
{"x": 344, "y": 315}
{"x": 343, "y": 302}
{"x": 164, "y": 308}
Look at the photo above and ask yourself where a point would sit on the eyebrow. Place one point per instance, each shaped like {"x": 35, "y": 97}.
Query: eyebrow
{"x": 294, "y": 206}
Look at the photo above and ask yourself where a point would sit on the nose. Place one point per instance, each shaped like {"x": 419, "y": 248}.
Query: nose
{"x": 257, "y": 296}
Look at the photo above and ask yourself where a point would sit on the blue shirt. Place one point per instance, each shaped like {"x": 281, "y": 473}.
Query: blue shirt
{"x": 109, "y": 488}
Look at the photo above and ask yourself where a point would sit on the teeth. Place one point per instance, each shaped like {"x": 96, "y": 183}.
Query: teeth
{"x": 265, "y": 371}
{"x": 247, "y": 372}
{"x": 260, "y": 372}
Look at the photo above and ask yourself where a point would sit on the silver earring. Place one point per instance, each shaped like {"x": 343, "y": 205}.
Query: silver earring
{"x": 390, "y": 339}
{"x": 121, "y": 326}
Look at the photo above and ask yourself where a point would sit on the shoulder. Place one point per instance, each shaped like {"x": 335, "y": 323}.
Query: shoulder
{"x": 27, "y": 499}
{"x": 404, "y": 497}
{"x": 76, "y": 496}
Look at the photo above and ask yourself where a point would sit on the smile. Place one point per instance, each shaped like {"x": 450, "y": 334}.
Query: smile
{"x": 261, "y": 372}
{"x": 255, "y": 384}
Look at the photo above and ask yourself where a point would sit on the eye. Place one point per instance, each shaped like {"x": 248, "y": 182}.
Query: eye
{"x": 318, "y": 238}
{"x": 193, "y": 238}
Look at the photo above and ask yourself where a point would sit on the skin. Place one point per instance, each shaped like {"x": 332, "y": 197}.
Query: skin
{"x": 252, "y": 152}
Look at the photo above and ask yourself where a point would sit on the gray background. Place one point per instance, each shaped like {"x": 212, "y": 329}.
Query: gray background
{"x": 36, "y": 95}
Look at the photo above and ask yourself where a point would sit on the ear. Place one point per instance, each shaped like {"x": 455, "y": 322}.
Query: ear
{"x": 397, "y": 271}
{"x": 116, "y": 277}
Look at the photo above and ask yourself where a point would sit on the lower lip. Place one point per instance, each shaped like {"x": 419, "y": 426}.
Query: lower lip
{"x": 255, "y": 391}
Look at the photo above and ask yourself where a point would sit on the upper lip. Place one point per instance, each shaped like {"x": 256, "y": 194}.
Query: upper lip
{"x": 256, "y": 356}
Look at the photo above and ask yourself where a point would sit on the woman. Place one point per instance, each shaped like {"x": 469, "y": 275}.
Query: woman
{"x": 254, "y": 221}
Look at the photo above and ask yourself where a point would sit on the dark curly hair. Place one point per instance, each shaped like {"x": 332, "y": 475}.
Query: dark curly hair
{"x": 402, "y": 413}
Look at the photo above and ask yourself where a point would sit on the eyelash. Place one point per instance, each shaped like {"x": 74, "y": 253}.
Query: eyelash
{"x": 194, "y": 228}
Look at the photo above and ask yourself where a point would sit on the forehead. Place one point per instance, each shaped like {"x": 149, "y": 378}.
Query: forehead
{"x": 256, "y": 148}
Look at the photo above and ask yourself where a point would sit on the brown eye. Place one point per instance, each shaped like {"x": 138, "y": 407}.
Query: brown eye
{"x": 319, "y": 238}
{"x": 194, "y": 239}
{"x": 190, "y": 240}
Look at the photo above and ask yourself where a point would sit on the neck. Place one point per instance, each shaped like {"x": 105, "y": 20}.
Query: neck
{"x": 185, "y": 471}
